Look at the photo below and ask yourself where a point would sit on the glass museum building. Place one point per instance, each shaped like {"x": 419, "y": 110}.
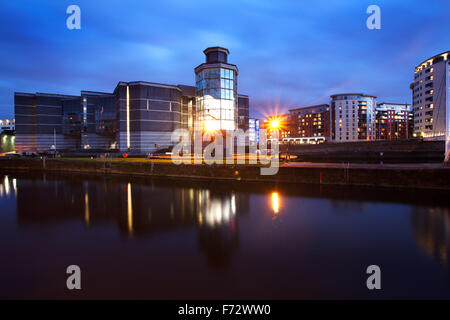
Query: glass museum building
{"x": 137, "y": 117}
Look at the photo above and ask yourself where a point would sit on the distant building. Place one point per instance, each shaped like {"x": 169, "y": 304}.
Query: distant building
{"x": 64, "y": 122}
{"x": 243, "y": 112}
{"x": 253, "y": 131}
{"x": 353, "y": 117}
{"x": 138, "y": 117}
{"x": 7, "y": 142}
{"x": 430, "y": 96}
{"x": 7, "y": 124}
{"x": 312, "y": 121}
{"x": 393, "y": 121}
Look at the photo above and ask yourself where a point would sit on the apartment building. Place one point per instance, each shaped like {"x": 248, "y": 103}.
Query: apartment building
{"x": 430, "y": 97}
{"x": 353, "y": 117}
{"x": 394, "y": 121}
{"x": 311, "y": 121}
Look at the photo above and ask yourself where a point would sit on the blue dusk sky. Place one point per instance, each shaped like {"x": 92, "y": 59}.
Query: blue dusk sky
{"x": 289, "y": 53}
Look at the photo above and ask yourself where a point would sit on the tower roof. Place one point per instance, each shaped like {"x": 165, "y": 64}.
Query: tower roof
{"x": 212, "y": 49}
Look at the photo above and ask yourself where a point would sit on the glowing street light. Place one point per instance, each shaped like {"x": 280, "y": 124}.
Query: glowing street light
{"x": 275, "y": 124}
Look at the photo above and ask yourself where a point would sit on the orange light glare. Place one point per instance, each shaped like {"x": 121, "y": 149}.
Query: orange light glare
{"x": 275, "y": 124}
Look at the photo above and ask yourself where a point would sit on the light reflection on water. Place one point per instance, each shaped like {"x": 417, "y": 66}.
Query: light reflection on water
{"x": 275, "y": 202}
{"x": 432, "y": 229}
{"x": 195, "y": 230}
{"x": 7, "y": 186}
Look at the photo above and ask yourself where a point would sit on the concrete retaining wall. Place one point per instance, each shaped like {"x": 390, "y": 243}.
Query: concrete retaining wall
{"x": 437, "y": 178}
{"x": 396, "y": 151}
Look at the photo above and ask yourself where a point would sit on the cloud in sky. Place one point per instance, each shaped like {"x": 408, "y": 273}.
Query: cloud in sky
{"x": 289, "y": 54}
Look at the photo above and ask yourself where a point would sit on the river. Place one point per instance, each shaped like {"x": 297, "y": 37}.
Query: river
{"x": 166, "y": 239}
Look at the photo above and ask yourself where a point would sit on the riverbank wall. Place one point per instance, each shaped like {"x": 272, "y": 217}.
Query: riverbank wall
{"x": 387, "y": 151}
{"x": 428, "y": 176}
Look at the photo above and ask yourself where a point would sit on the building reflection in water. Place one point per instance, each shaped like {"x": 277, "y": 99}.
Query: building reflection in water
{"x": 431, "y": 226}
{"x": 129, "y": 209}
{"x": 138, "y": 210}
{"x": 218, "y": 235}
{"x": 8, "y": 187}
{"x": 346, "y": 207}
{"x": 86, "y": 205}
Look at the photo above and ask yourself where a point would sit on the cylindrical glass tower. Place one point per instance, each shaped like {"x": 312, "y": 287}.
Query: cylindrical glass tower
{"x": 216, "y": 82}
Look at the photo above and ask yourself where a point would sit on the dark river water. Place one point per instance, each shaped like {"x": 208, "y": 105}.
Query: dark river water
{"x": 167, "y": 239}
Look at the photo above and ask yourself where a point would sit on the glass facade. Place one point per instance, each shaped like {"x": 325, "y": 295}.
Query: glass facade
{"x": 216, "y": 99}
{"x": 84, "y": 129}
{"x": 253, "y": 127}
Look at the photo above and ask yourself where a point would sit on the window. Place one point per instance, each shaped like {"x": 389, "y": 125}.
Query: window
{"x": 216, "y": 104}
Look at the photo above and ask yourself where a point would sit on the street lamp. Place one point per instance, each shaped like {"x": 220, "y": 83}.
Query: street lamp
{"x": 275, "y": 124}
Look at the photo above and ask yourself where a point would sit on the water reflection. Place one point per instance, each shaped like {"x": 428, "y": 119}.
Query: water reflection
{"x": 218, "y": 232}
{"x": 275, "y": 202}
{"x": 144, "y": 210}
{"x": 6, "y": 186}
{"x": 86, "y": 209}
{"x": 137, "y": 209}
{"x": 129, "y": 209}
{"x": 168, "y": 236}
{"x": 431, "y": 227}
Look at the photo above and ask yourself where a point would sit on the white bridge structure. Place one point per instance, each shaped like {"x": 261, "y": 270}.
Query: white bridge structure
{"x": 447, "y": 115}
